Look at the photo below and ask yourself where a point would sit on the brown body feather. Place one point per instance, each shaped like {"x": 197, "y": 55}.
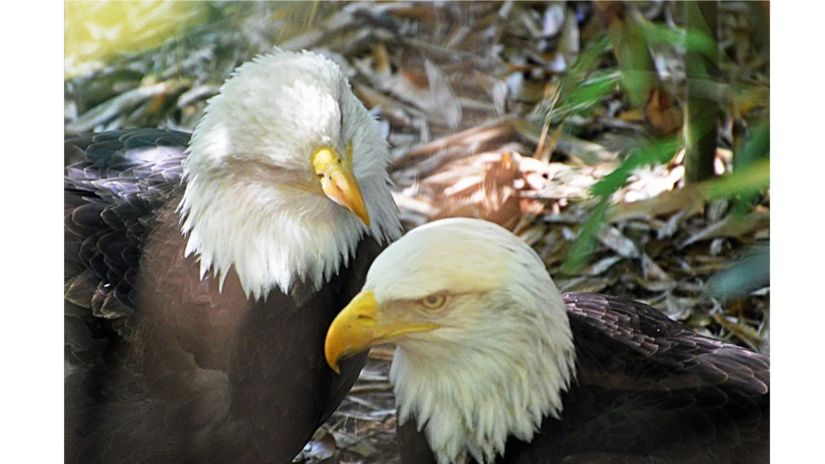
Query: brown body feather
{"x": 647, "y": 390}
{"x": 161, "y": 365}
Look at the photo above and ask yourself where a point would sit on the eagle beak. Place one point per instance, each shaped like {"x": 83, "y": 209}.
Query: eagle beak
{"x": 338, "y": 181}
{"x": 359, "y": 326}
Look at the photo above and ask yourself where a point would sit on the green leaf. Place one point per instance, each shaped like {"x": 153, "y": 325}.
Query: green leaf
{"x": 576, "y": 256}
{"x": 692, "y": 40}
{"x": 652, "y": 152}
{"x": 586, "y": 95}
{"x": 757, "y": 145}
{"x": 588, "y": 60}
{"x": 751, "y": 180}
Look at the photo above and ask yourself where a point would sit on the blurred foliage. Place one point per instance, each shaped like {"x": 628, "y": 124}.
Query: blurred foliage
{"x": 689, "y": 39}
{"x": 631, "y": 38}
{"x": 98, "y": 31}
{"x": 748, "y": 181}
{"x": 751, "y": 273}
{"x": 158, "y": 70}
{"x": 702, "y": 111}
{"x": 756, "y": 145}
{"x": 102, "y": 32}
{"x": 650, "y": 153}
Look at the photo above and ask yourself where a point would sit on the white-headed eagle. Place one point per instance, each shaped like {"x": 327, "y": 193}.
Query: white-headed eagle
{"x": 202, "y": 273}
{"x": 494, "y": 365}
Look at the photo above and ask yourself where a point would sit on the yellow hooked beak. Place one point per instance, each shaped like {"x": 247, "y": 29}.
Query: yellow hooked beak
{"x": 338, "y": 181}
{"x": 360, "y": 326}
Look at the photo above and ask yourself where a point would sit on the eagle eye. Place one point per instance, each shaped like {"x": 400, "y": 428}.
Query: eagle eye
{"x": 434, "y": 301}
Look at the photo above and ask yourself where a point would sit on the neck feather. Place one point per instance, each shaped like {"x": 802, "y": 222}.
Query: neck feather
{"x": 470, "y": 397}
{"x": 278, "y": 236}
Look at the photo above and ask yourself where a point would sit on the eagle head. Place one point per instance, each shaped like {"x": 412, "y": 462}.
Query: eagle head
{"x": 285, "y": 172}
{"x": 484, "y": 347}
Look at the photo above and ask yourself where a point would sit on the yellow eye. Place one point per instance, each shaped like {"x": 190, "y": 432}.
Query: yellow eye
{"x": 433, "y": 301}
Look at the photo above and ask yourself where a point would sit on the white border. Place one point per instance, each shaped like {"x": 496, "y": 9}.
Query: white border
{"x": 31, "y": 334}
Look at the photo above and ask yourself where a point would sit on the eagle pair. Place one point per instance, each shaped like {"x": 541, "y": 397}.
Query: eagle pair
{"x": 204, "y": 276}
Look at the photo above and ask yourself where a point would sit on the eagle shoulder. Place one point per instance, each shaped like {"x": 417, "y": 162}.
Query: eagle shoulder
{"x": 114, "y": 185}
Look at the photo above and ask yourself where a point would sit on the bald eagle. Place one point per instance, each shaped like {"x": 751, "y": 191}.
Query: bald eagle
{"x": 493, "y": 364}
{"x": 203, "y": 272}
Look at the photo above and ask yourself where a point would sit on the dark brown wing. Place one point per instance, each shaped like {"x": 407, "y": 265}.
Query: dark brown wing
{"x": 114, "y": 184}
{"x": 206, "y": 375}
{"x": 618, "y": 335}
{"x": 647, "y": 390}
